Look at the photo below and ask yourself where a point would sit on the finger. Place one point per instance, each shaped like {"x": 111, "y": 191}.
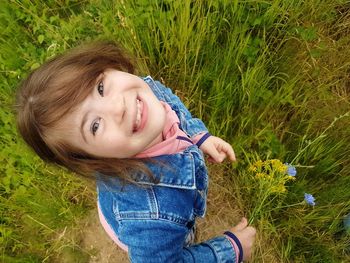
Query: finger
{"x": 221, "y": 157}
{"x": 227, "y": 148}
{"x": 251, "y": 230}
{"x": 242, "y": 224}
{"x": 231, "y": 154}
{"x": 217, "y": 156}
{"x": 211, "y": 160}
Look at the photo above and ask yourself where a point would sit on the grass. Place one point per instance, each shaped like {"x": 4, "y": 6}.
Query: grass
{"x": 271, "y": 77}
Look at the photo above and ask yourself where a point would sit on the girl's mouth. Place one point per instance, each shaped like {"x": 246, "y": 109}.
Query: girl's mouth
{"x": 141, "y": 115}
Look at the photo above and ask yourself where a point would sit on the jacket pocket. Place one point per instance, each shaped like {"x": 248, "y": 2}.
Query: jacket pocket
{"x": 136, "y": 203}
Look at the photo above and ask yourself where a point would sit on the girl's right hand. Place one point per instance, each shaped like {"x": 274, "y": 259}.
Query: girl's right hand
{"x": 246, "y": 235}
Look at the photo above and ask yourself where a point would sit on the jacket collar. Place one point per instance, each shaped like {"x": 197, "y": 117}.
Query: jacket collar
{"x": 173, "y": 170}
{"x": 156, "y": 90}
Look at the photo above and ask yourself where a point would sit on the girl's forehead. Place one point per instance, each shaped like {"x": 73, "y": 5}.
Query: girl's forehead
{"x": 80, "y": 111}
{"x": 68, "y": 128}
{"x": 73, "y": 117}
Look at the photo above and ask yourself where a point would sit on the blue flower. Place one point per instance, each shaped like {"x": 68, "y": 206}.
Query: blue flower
{"x": 310, "y": 200}
{"x": 291, "y": 170}
{"x": 347, "y": 223}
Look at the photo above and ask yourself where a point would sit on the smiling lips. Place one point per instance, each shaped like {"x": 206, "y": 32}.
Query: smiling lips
{"x": 140, "y": 115}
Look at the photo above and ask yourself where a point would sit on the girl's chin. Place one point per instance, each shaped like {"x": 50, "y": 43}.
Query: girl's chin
{"x": 157, "y": 140}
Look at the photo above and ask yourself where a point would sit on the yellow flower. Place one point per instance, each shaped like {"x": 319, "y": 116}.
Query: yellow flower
{"x": 252, "y": 168}
{"x": 278, "y": 166}
{"x": 258, "y": 163}
{"x": 269, "y": 177}
{"x": 267, "y": 165}
{"x": 289, "y": 177}
{"x": 274, "y": 161}
{"x": 282, "y": 189}
{"x": 278, "y": 189}
{"x": 281, "y": 168}
{"x": 260, "y": 175}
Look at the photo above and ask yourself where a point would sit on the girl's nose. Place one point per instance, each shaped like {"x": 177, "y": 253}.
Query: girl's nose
{"x": 116, "y": 108}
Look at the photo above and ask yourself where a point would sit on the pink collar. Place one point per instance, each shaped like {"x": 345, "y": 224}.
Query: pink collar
{"x": 170, "y": 143}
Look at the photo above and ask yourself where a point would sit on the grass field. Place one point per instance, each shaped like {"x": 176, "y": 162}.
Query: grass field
{"x": 270, "y": 77}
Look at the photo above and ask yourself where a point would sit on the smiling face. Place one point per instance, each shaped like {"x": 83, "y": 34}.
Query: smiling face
{"x": 120, "y": 118}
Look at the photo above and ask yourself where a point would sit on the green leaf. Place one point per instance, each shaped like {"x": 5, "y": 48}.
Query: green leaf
{"x": 308, "y": 34}
{"x": 257, "y": 21}
{"x": 35, "y": 65}
{"x": 41, "y": 39}
{"x": 315, "y": 53}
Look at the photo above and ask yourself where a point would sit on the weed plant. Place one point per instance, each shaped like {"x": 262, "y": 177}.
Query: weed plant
{"x": 271, "y": 77}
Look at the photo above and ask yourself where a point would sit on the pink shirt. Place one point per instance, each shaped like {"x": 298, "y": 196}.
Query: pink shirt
{"x": 171, "y": 143}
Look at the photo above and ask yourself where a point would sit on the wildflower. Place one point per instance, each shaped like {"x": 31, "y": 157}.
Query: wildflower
{"x": 291, "y": 170}
{"x": 276, "y": 162}
{"x": 282, "y": 189}
{"x": 259, "y": 163}
{"x": 310, "y": 200}
{"x": 252, "y": 168}
{"x": 289, "y": 177}
{"x": 280, "y": 167}
{"x": 260, "y": 175}
{"x": 278, "y": 189}
{"x": 347, "y": 223}
{"x": 266, "y": 165}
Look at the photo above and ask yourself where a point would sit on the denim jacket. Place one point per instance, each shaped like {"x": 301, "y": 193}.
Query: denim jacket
{"x": 155, "y": 219}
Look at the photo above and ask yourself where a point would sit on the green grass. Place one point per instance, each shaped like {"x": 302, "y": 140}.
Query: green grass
{"x": 270, "y": 77}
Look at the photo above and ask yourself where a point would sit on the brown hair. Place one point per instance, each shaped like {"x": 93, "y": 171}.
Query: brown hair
{"x": 55, "y": 89}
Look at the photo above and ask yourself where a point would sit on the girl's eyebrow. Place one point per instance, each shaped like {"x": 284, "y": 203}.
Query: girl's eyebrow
{"x": 83, "y": 123}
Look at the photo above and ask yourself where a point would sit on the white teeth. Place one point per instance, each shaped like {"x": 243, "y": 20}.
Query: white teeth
{"x": 138, "y": 115}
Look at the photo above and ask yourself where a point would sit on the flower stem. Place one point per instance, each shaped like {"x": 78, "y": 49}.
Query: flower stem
{"x": 323, "y": 134}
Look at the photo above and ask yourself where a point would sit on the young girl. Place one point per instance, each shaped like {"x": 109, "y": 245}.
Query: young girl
{"x": 87, "y": 111}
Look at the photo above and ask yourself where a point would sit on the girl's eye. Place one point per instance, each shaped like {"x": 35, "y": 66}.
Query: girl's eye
{"x": 94, "y": 127}
{"x": 100, "y": 88}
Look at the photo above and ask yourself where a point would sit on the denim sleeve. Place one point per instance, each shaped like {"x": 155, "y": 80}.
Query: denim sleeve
{"x": 192, "y": 126}
{"x": 158, "y": 241}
